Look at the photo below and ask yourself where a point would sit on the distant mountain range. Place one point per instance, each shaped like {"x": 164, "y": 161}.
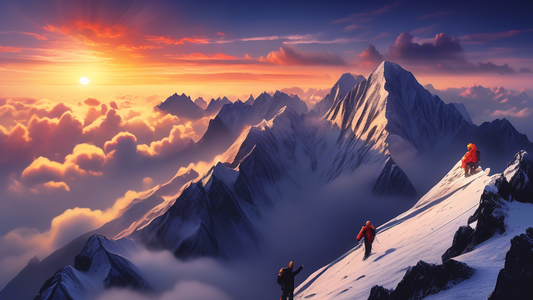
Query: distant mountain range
{"x": 275, "y": 150}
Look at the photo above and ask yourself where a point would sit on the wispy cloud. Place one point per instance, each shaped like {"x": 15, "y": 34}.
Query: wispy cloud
{"x": 435, "y": 15}
{"x": 358, "y": 16}
{"x": 9, "y": 49}
{"x": 181, "y": 41}
{"x": 288, "y": 55}
{"x": 424, "y": 30}
{"x": 35, "y": 35}
{"x": 481, "y": 38}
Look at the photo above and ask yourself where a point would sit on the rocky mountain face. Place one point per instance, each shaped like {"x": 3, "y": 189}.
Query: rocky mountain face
{"x": 278, "y": 152}
{"x": 182, "y": 107}
{"x": 101, "y": 264}
{"x": 514, "y": 280}
{"x": 503, "y": 206}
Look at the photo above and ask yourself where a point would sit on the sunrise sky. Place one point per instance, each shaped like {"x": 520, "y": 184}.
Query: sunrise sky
{"x": 62, "y": 143}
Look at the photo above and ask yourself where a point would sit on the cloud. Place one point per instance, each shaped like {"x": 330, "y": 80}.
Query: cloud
{"x": 122, "y": 149}
{"x": 525, "y": 70}
{"x": 310, "y": 96}
{"x": 493, "y": 68}
{"x": 88, "y": 29}
{"x": 201, "y": 56}
{"x": 85, "y": 159}
{"x": 424, "y": 30}
{"x": 91, "y": 102}
{"x": 148, "y": 183}
{"x": 19, "y": 245}
{"x": 357, "y": 16}
{"x": 513, "y": 112}
{"x": 10, "y": 49}
{"x": 35, "y": 35}
{"x": 290, "y": 56}
{"x": 51, "y": 136}
{"x": 180, "y": 136}
{"x": 440, "y": 13}
{"x": 172, "y": 41}
{"x": 442, "y": 54}
{"x": 444, "y": 47}
{"x": 14, "y": 144}
{"x": 486, "y": 103}
{"x": 50, "y": 186}
{"x": 370, "y": 57}
{"x": 184, "y": 290}
{"x": 482, "y": 38}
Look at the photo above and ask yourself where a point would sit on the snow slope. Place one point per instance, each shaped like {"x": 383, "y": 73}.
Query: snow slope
{"x": 422, "y": 233}
{"x": 425, "y": 232}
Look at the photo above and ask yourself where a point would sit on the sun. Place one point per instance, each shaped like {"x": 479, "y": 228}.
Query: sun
{"x": 84, "y": 80}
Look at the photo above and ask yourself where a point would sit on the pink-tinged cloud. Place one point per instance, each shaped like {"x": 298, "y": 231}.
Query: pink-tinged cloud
{"x": 481, "y": 38}
{"x": 101, "y": 31}
{"x": 50, "y": 135}
{"x": 91, "y": 102}
{"x": 179, "y": 138}
{"x": 201, "y": 56}
{"x": 513, "y": 112}
{"x": 442, "y": 54}
{"x": 43, "y": 170}
{"x": 58, "y": 110}
{"x": 50, "y": 187}
{"x": 221, "y": 33}
{"x": 88, "y": 29}
{"x": 183, "y": 290}
{"x": 9, "y": 49}
{"x": 310, "y": 96}
{"x": 21, "y": 244}
{"x": 444, "y": 47}
{"x": 424, "y": 30}
{"x": 497, "y": 94}
{"x": 113, "y": 105}
{"x": 352, "y": 27}
{"x": 370, "y": 57}
{"x": 88, "y": 158}
{"x": 92, "y": 115}
{"x": 357, "y": 16}
{"x": 172, "y": 41}
{"x": 85, "y": 159}
{"x": 440, "y": 13}
{"x": 121, "y": 151}
{"x": 14, "y": 144}
{"x": 125, "y": 47}
{"x": 35, "y": 35}
{"x": 290, "y": 56}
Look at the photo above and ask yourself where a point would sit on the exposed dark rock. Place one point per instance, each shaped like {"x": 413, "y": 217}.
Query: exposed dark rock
{"x": 30, "y": 280}
{"x": 516, "y": 278}
{"x": 460, "y": 241}
{"x": 99, "y": 261}
{"x": 393, "y": 181}
{"x": 519, "y": 173}
{"x": 379, "y": 293}
{"x": 426, "y": 279}
{"x": 124, "y": 274}
{"x": 489, "y": 216}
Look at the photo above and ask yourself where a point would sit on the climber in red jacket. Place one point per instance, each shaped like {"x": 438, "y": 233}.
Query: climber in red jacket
{"x": 368, "y": 232}
{"x": 469, "y": 161}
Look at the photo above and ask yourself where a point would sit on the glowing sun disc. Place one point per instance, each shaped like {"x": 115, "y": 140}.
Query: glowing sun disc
{"x": 84, "y": 80}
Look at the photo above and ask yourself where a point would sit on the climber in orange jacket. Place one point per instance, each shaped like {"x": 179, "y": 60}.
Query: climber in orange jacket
{"x": 469, "y": 161}
{"x": 368, "y": 232}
